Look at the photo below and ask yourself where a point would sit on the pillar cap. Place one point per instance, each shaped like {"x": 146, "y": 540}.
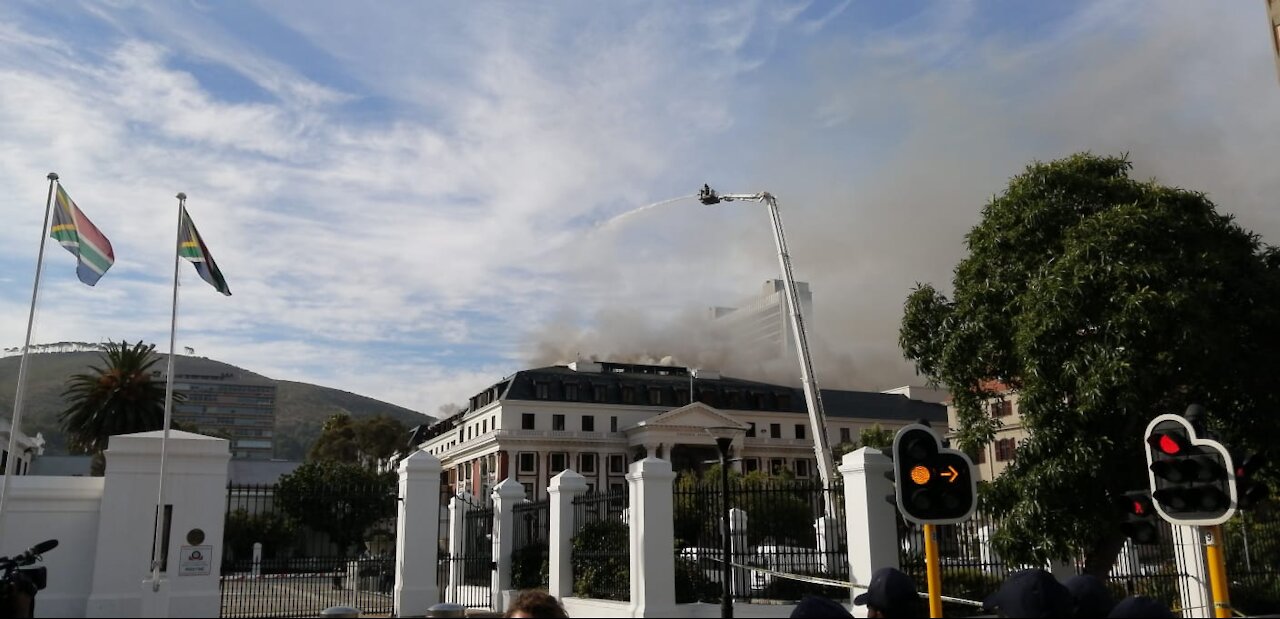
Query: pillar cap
{"x": 420, "y": 461}
{"x": 568, "y": 481}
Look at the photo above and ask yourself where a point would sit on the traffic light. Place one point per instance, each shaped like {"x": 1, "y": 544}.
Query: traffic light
{"x": 933, "y": 485}
{"x": 1249, "y": 491}
{"x": 1140, "y": 517}
{"x": 1192, "y": 480}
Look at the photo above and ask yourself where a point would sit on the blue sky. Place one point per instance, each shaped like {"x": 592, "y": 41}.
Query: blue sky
{"x": 408, "y": 199}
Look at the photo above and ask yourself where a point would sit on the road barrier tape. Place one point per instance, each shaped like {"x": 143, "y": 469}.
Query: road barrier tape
{"x": 840, "y": 583}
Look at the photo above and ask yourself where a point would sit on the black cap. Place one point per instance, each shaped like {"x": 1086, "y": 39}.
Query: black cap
{"x": 890, "y": 591}
{"x": 1141, "y": 606}
{"x": 817, "y": 607}
{"x": 1092, "y": 597}
{"x": 1031, "y": 593}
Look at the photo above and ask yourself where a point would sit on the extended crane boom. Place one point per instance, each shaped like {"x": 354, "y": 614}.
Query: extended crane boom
{"x": 812, "y": 395}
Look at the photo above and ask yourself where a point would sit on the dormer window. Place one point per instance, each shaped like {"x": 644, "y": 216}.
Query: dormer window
{"x": 655, "y": 395}
{"x": 542, "y": 391}
{"x": 571, "y": 392}
{"x": 628, "y": 395}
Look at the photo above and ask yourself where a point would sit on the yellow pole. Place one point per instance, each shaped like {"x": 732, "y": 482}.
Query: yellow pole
{"x": 1217, "y": 570}
{"x": 934, "y": 571}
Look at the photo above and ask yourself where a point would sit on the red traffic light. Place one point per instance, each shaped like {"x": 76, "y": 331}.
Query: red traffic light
{"x": 1170, "y": 444}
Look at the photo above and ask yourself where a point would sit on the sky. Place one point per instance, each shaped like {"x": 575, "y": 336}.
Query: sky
{"x": 410, "y": 201}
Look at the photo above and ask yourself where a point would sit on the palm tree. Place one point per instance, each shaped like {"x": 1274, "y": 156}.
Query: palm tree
{"x": 117, "y": 398}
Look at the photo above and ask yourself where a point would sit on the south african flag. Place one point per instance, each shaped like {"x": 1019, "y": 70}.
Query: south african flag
{"x": 192, "y": 247}
{"x": 76, "y": 233}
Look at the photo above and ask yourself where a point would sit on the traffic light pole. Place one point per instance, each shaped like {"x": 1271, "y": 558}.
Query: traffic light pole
{"x": 933, "y": 570}
{"x": 1217, "y": 569}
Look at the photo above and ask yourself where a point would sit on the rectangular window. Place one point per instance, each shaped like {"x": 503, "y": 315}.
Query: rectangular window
{"x": 557, "y": 423}
{"x": 617, "y": 464}
{"x": 776, "y": 466}
{"x": 655, "y": 395}
{"x": 844, "y": 435}
{"x": 571, "y": 392}
{"x": 802, "y": 469}
{"x": 751, "y": 465}
{"x": 587, "y": 464}
{"x": 682, "y": 397}
{"x": 588, "y": 423}
{"x": 599, "y": 392}
{"x": 526, "y": 421}
{"x": 559, "y": 462}
{"x": 784, "y": 402}
{"x": 542, "y": 390}
{"x": 775, "y": 430}
{"x": 628, "y": 395}
{"x": 799, "y": 430}
{"x": 613, "y": 423}
{"x": 751, "y": 429}
{"x": 1001, "y": 408}
{"x": 1005, "y": 449}
{"x": 980, "y": 456}
{"x": 528, "y": 463}
{"x": 484, "y": 426}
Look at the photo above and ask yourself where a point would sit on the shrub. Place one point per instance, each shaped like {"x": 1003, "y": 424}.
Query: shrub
{"x": 600, "y": 561}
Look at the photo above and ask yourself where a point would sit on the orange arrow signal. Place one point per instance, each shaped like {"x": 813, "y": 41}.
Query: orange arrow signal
{"x": 951, "y": 474}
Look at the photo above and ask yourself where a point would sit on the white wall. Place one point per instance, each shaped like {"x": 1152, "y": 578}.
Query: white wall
{"x": 65, "y": 509}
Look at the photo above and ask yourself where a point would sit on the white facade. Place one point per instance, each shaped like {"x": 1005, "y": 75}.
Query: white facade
{"x": 532, "y": 440}
{"x": 28, "y": 448}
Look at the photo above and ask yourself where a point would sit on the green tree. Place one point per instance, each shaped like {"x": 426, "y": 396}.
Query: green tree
{"x": 874, "y": 436}
{"x": 343, "y": 500}
{"x": 117, "y": 397}
{"x": 381, "y": 437}
{"x": 1103, "y": 301}
{"x": 337, "y": 441}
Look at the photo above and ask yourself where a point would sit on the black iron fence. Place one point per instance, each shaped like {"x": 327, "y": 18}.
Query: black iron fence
{"x": 470, "y": 581}
{"x": 601, "y": 542}
{"x": 278, "y": 561}
{"x": 531, "y": 551}
{"x": 1252, "y": 543}
{"x": 777, "y": 525}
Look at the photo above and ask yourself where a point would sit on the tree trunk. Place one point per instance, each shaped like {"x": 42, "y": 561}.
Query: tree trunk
{"x": 1102, "y": 556}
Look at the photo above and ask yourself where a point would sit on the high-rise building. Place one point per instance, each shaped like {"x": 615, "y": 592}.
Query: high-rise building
{"x": 762, "y": 324}
{"x": 238, "y": 406}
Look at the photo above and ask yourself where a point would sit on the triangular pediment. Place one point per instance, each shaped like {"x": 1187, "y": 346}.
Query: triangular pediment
{"x": 695, "y": 415}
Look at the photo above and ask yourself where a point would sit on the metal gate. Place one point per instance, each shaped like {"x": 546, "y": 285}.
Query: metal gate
{"x": 471, "y": 571}
{"x": 278, "y": 564}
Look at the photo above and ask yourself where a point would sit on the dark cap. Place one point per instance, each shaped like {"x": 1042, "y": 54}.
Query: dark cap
{"x": 890, "y": 591}
{"x": 816, "y": 607}
{"x": 1031, "y": 593}
{"x": 1092, "y": 597}
{"x": 1140, "y": 606}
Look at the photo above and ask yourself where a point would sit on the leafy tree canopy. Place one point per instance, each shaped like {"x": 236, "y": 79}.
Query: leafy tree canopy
{"x": 344, "y": 500}
{"x": 367, "y": 441}
{"x": 118, "y": 396}
{"x": 1103, "y": 301}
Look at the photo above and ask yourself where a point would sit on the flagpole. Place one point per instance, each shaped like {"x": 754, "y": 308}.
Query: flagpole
{"x": 11, "y": 460}
{"x": 168, "y": 402}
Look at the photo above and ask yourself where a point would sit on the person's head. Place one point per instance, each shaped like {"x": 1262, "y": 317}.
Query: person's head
{"x": 1141, "y": 606}
{"x": 535, "y": 603}
{"x": 814, "y": 607}
{"x": 1031, "y": 593}
{"x": 1091, "y": 596}
{"x": 890, "y": 594}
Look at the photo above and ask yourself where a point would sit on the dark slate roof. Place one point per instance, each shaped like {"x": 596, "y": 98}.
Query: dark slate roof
{"x": 869, "y": 404}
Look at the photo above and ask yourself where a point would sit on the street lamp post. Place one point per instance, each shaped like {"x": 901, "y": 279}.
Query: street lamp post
{"x": 724, "y": 439}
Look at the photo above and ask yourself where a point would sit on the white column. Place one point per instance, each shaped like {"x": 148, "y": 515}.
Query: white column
{"x": 417, "y": 535}
{"x": 196, "y": 487}
{"x": 870, "y": 520}
{"x": 1194, "y": 586}
{"x": 738, "y": 523}
{"x": 506, "y": 495}
{"x": 564, "y": 487}
{"x": 653, "y": 563}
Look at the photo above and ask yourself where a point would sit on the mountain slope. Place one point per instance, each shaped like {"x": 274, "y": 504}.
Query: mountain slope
{"x": 301, "y": 408}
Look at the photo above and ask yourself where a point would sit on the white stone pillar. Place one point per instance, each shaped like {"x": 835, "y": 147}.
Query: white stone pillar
{"x": 870, "y": 520}
{"x": 458, "y": 508}
{"x": 196, "y": 486}
{"x": 828, "y": 540}
{"x": 417, "y": 535}
{"x": 563, "y": 489}
{"x": 506, "y": 495}
{"x": 1194, "y": 586}
{"x": 653, "y": 563}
